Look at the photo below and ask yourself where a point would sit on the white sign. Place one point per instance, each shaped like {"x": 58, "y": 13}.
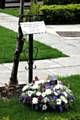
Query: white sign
{"x": 33, "y": 27}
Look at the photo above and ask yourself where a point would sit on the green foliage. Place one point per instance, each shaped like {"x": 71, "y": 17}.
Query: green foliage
{"x": 61, "y": 2}
{"x": 61, "y": 14}
{"x": 35, "y": 11}
{"x": 6, "y": 118}
{"x": 12, "y": 11}
{"x": 14, "y": 110}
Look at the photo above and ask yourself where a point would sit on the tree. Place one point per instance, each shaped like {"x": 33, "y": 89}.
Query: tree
{"x": 20, "y": 43}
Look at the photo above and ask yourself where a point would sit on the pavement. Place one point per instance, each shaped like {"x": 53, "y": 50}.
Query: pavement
{"x": 65, "y": 38}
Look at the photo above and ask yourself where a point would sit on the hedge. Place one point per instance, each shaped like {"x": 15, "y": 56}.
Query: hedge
{"x": 61, "y": 14}
{"x": 60, "y": 2}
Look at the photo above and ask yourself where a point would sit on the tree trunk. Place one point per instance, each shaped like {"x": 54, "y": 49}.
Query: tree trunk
{"x": 20, "y": 43}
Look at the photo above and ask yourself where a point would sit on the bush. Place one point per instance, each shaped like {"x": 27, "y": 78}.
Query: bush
{"x": 50, "y": 2}
{"x": 61, "y": 14}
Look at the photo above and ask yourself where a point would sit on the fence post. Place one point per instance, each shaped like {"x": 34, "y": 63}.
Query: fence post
{"x": 2, "y": 4}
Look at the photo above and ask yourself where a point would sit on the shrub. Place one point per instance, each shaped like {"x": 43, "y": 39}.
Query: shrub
{"x": 61, "y": 14}
{"x": 50, "y": 2}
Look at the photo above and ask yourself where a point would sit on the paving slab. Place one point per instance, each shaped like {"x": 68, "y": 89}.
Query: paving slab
{"x": 4, "y": 78}
{"x": 9, "y": 21}
{"x": 67, "y": 49}
{"x": 46, "y": 64}
{"x": 3, "y": 69}
{"x": 68, "y": 61}
{"x": 65, "y": 71}
{"x": 20, "y": 68}
{"x": 65, "y": 68}
{"x": 75, "y": 27}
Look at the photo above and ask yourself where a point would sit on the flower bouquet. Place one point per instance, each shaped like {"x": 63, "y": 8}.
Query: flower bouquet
{"x": 48, "y": 95}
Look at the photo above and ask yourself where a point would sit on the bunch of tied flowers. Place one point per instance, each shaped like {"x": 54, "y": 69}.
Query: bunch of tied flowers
{"x": 48, "y": 95}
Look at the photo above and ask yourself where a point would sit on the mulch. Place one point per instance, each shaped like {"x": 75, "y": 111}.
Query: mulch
{"x": 9, "y": 91}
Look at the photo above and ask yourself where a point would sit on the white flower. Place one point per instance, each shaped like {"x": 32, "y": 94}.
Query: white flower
{"x": 48, "y": 80}
{"x": 58, "y": 101}
{"x": 48, "y": 91}
{"x": 64, "y": 99}
{"x": 35, "y": 86}
{"x": 37, "y": 82}
{"x": 44, "y": 107}
{"x": 57, "y": 89}
{"x": 55, "y": 93}
{"x": 38, "y": 93}
{"x": 30, "y": 93}
{"x": 58, "y": 86}
{"x": 59, "y": 82}
{"x": 43, "y": 94}
{"x": 34, "y": 100}
{"x": 25, "y": 88}
{"x": 65, "y": 94}
{"x": 42, "y": 81}
{"x": 46, "y": 100}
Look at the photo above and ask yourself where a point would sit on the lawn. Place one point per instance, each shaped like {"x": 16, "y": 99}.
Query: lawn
{"x": 8, "y": 45}
{"x": 11, "y": 11}
{"x": 14, "y": 110}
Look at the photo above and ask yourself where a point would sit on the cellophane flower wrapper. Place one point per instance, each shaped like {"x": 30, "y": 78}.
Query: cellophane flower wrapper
{"x": 45, "y": 95}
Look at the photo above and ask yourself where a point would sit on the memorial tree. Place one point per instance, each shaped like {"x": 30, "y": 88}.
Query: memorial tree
{"x": 20, "y": 43}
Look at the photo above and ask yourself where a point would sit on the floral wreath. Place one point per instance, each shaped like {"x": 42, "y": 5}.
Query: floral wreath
{"x": 45, "y": 95}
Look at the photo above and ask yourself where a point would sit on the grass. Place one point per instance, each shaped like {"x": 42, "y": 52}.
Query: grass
{"x": 14, "y": 110}
{"x": 11, "y": 11}
{"x": 8, "y": 45}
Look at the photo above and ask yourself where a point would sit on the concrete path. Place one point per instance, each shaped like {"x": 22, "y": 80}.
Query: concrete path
{"x": 61, "y": 66}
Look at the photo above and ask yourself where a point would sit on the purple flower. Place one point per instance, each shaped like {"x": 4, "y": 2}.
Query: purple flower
{"x": 60, "y": 108}
{"x": 47, "y": 86}
{"x": 40, "y": 98}
{"x": 55, "y": 97}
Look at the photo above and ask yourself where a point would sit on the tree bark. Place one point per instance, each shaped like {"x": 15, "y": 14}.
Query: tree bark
{"x": 20, "y": 43}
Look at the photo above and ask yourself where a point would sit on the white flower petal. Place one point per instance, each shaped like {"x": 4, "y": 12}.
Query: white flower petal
{"x": 42, "y": 81}
{"x": 46, "y": 99}
{"x": 34, "y": 100}
{"x": 30, "y": 93}
{"x": 65, "y": 94}
{"x": 58, "y": 101}
{"x": 36, "y": 82}
{"x": 48, "y": 91}
{"x": 44, "y": 107}
{"x": 38, "y": 93}
{"x": 55, "y": 93}
{"x": 43, "y": 94}
{"x": 64, "y": 99}
{"x": 25, "y": 88}
{"x": 35, "y": 86}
